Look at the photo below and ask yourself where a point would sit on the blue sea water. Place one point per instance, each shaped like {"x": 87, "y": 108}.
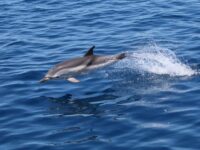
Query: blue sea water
{"x": 148, "y": 101}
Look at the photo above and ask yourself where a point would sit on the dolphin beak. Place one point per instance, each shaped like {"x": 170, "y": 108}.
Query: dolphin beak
{"x": 44, "y": 80}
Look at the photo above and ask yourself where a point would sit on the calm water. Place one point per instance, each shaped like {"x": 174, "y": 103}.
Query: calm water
{"x": 148, "y": 101}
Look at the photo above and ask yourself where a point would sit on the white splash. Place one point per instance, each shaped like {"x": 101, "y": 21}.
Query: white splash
{"x": 157, "y": 60}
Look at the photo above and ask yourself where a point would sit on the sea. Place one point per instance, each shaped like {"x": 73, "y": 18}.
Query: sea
{"x": 149, "y": 100}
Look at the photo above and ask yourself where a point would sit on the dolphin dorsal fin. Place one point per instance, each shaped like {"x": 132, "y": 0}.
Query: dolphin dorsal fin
{"x": 90, "y": 51}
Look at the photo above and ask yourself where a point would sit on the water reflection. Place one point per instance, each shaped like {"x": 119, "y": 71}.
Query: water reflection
{"x": 83, "y": 106}
{"x": 67, "y": 105}
{"x": 79, "y": 118}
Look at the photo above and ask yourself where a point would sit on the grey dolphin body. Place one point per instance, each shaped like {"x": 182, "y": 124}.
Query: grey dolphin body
{"x": 70, "y": 68}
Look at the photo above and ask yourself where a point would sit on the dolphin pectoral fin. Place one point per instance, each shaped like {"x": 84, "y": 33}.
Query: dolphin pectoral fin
{"x": 90, "y": 51}
{"x": 73, "y": 80}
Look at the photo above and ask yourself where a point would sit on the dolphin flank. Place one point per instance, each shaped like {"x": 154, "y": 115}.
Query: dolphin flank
{"x": 70, "y": 68}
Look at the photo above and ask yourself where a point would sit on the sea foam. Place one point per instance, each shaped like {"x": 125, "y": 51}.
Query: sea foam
{"x": 157, "y": 60}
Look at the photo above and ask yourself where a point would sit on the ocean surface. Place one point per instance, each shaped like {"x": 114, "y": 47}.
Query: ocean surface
{"x": 148, "y": 101}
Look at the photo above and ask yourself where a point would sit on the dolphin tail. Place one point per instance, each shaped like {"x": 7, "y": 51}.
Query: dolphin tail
{"x": 121, "y": 56}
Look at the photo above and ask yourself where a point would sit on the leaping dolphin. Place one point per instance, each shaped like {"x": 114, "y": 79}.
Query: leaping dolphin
{"x": 70, "y": 68}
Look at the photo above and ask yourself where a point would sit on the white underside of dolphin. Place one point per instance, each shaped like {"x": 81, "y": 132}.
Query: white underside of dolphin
{"x": 68, "y": 69}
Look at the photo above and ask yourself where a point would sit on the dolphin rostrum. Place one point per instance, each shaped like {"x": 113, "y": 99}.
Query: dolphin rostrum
{"x": 70, "y": 68}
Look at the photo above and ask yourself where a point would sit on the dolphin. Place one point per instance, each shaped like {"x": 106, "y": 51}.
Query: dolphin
{"x": 70, "y": 68}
